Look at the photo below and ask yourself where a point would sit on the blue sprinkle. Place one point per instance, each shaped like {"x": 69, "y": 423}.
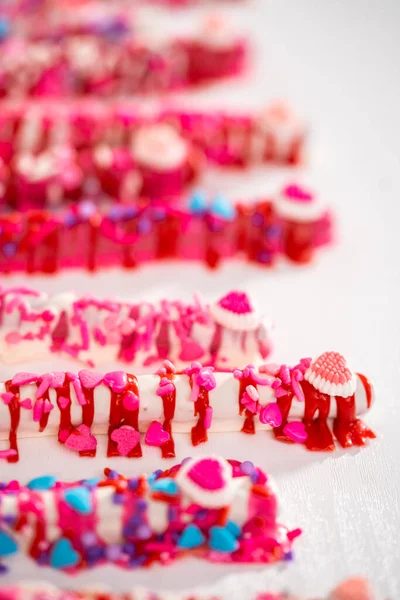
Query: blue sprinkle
{"x": 222, "y": 207}
{"x": 165, "y": 485}
{"x": 63, "y": 555}
{"x": 192, "y": 537}
{"x": 221, "y": 539}
{"x": 7, "y": 544}
{"x": 5, "y": 28}
{"x": 198, "y": 203}
{"x": 80, "y": 499}
{"x": 92, "y": 482}
{"x": 42, "y": 483}
{"x": 9, "y": 249}
{"x": 233, "y": 528}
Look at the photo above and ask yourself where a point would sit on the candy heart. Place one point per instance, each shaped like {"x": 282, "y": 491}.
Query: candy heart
{"x": 222, "y": 207}
{"x": 24, "y": 378}
{"x": 271, "y": 415}
{"x": 166, "y": 485}
{"x": 27, "y": 403}
{"x": 42, "y": 483}
{"x": 81, "y": 439}
{"x": 191, "y": 350}
{"x": 7, "y": 544}
{"x": 90, "y": 379}
{"x": 296, "y": 431}
{"x": 207, "y": 473}
{"x": 7, "y": 397}
{"x": 197, "y": 203}
{"x": 156, "y": 435}
{"x": 80, "y": 499}
{"x": 63, "y": 555}
{"x": 221, "y": 539}
{"x": 130, "y": 401}
{"x": 63, "y": 402}
{"x": 126, "y": 438}
{"x": 116, "y": 380}
{"x": 191, "y": 537}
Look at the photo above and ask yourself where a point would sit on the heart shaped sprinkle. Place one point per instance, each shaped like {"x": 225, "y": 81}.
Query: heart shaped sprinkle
{"x": 207, "y": 474}
{"x": 156, "y": 435}
{"x": 130, "y": 401}
{"x": 45, "y": 482}
{"x": 271, "y": 415}
{"x": 80, "y": 499}
{"x": 7, "y": 397}
{"x": 191, "y": 537}
{"x": 222, "y": 540}
{"x": 90, "y": 379}
{"x": 63, "y": 555}
{"x": 27, "y": 403}
{"x": 63, "y": 402}
{"x": 116, "y": 380}
{"x": 330, "y": 375}
{"x": 126, "y": 438}
{"x": 7, "y": 544}
{"x": 191, "y": 350}
{"x": 81, "y": 439}
{"x": 296, "y": 431}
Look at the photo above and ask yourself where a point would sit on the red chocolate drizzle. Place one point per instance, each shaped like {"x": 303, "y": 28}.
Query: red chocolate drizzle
{"x": 199, "y": 432}
{"x": 349, "y": 430}
{"x": 65, "y": 412}
{"x": 88, "y": 416}
{"x": 367, "y": 387}
{"x": 169, "y": 403}
{"x": 316, "y": 412}
{"x": 248, "y": 425}
{"x": 119, "y": 416}
{"x": 15, "y": 409}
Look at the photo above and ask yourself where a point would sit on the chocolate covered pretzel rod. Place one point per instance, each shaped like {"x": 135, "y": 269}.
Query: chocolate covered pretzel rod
{"x": 224, "y": 511}
{"x": 225, "y": 334}
{"x": 351, "y": 589}
{"x": 293, "y": 225}
{"x": 107, "y": 58}
{"x": 307, "y": 404}
{"x": 56, "y": 153}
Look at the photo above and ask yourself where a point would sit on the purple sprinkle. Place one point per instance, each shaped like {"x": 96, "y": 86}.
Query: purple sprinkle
{"x": 158, "y": 472}
{"x": 172, "y": 513}
{"x": 288, "y": 556}
{"x": 141, "y": 505}
{"x": 113, "y": 552}
{"x": 128, "y": 531}
{"x": 264, "y": 257}
{"x": 136, "y": 562}
{"x": 201, "y": 514}
{"x": 43, "y": 559}
{"x": 185, "y": 460}
{"x": 118, "y": 498}
{"x": 9, "y": 249}
{"x": 9, "y": 520}
{"x": 129, "y": 548}
{"x": 94, "y": 553}
{"x": 254, "y": 477}
{"x": 257, "y": 220}
{"x": 112, "y": 475}
{"x": 143, "y": 532}
{"x": 3, "y": 569}
{"x": 247, "y": 467}
{"x": 133, "y": 483}
{"x": 88, "y": 538}
{"x": 144, "y": 226}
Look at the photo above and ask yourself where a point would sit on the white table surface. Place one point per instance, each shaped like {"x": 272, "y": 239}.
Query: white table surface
{"x": 337, "y": 61}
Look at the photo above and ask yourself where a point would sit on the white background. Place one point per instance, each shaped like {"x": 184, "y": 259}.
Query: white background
{"x": 337, "y": 62}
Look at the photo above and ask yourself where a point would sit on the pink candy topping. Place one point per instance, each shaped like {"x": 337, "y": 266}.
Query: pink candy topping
{"x": 236, "y": 302}
{"x": 332, "y": 367}
{"x": 297, "y": 193}
{"x": 207, "y": 474}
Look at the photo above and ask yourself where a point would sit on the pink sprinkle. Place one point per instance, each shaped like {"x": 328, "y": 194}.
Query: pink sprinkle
{"x": 38, "y": 410}
{"x": 279, "y": 392}
{"x": 292, "y": 535}
{"x": 297, "y": 193}
{"x": 297, "y": 390}
{"x": 250, "y": 404}
{"x": 253, "y": 393}
{"x": 90, "y": 379}
{"x": 130, "y": 401}
{"x": 126, "y": 438}
{"x": 236, "y": 302}
{"x": 13, "y": 337}
{"x": 271, "y": 415}
{"x": 208, "y": 417}
{"x": 156, "y": 435}
{"x": 81, "y": 439}
{"x": 207, "y": 474}
{"x": 205, "y": 378}
{"x": 47, "y": 406}
{"x": 296, "y": 431}
{"x": 7, "y": 453}
{"x": 27, "y": 403}
{"x": 24, "y": 378}
{"x": 165, "y": 387}
{"x": 170, "y": 368}
{"x": 63, "y": 401}
{"x": 44, "y": 385}
{"x": 116, "y": 380}
{"x": 76, "y": 384}
{"x": 127, "y": 327}
{"x": 58, "y": 379}
{"x": 195, "y": 390}
{"x": 285, "y": 374}
{"x": 7, "y": 397}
